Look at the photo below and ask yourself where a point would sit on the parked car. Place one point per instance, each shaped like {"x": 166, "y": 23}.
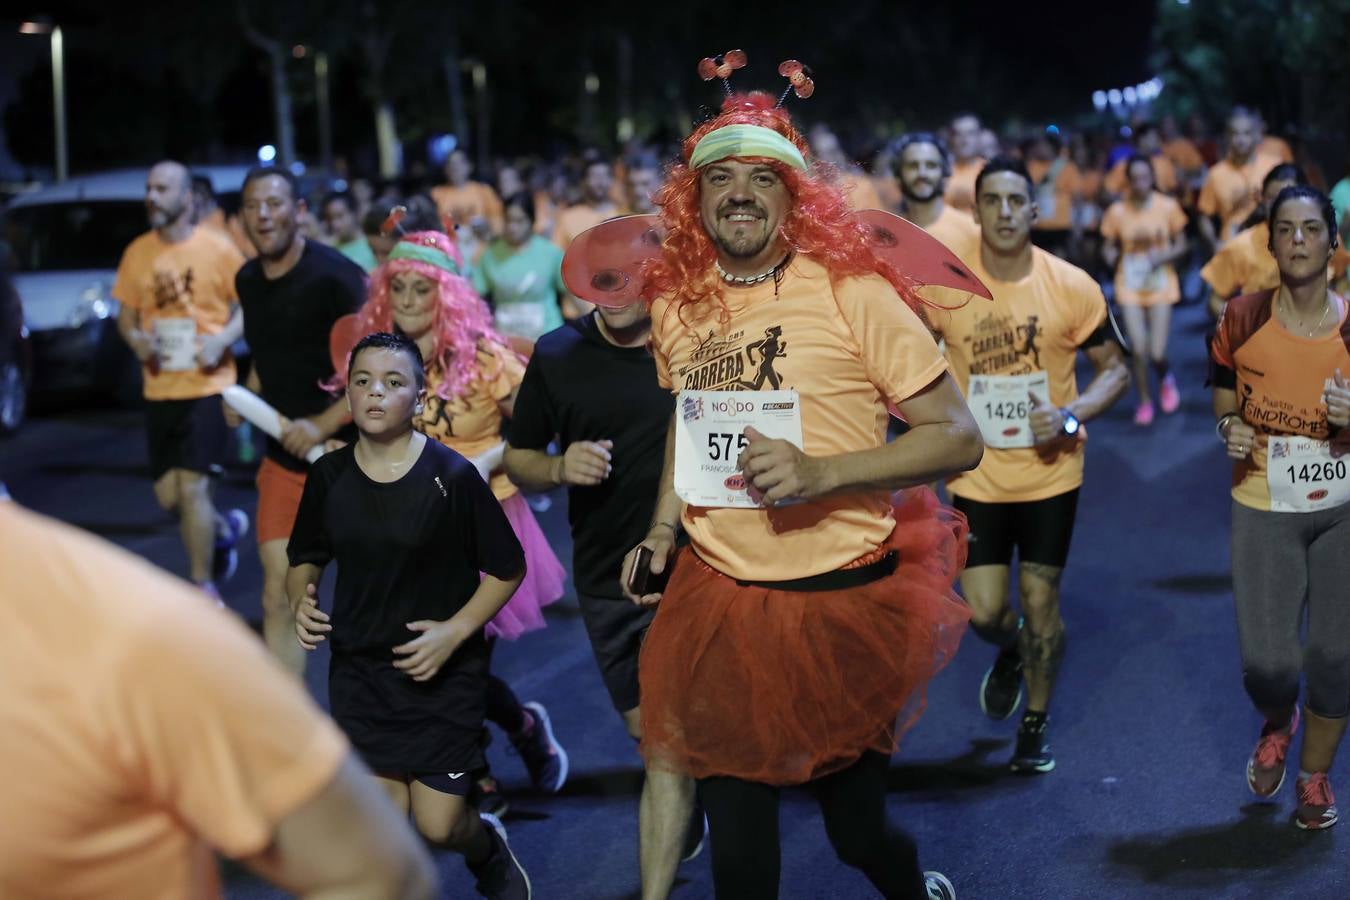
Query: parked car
{"x": 66, "y": 240}
{"x": 15, "y": 357}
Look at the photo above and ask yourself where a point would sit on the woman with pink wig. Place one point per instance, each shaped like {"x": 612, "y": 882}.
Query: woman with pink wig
{"x": 472, "y": 379}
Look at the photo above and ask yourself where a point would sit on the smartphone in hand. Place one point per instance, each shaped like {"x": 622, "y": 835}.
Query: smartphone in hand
{"x": 641, "y": 579}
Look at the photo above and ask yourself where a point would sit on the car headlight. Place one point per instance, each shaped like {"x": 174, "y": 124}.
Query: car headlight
{"x": 93, "y": 304}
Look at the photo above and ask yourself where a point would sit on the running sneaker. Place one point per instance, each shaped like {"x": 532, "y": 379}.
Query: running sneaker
{"x": 543, "y": 756}
{"x": 1169, "y": 398}
{"x": 1316, "y": 803}
{"x": 1033, "y": 748}
{"x": 232, "y": 526}
{"x": 1001, "y": 689}
{"x": 500, "y": 876}
{"x": 939, "y": 886}
{"x": 488, "y": 797}
{"x": 696, "y": 836}
{"x": 1265, "y": 768}
{"x": 1143, "y": 413}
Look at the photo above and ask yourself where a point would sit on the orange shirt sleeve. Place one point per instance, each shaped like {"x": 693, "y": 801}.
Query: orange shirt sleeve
{"x": 212, "y": 727}
{"x": 663, "y": 316}
{"x": 128, "y": 283}
{"x": 898, "y": 352}
{"x": 1221, "y": 272}
{"x": 1220, "y": 348}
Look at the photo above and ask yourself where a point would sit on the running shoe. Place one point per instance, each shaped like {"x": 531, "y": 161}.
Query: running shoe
{"x": 1169, "y": 398}
{"x": 1143, "y": 413}
{"x": 939, "y": 886}
{"x": 543, "y": 756}
{"x": 1001, "y": 689}
{"x": 1033, "y": 748}
{"x": 488, "y": 798}
{"x": 1316, "y": 804}
{"x": 233, "y": 525}
{"x": 696, "y": 836}
{"x": 1265, "y": 768}
{"x": 500, "y": 876}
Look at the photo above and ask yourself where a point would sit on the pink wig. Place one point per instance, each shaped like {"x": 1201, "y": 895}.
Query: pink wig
{"x": 463, "y": 323}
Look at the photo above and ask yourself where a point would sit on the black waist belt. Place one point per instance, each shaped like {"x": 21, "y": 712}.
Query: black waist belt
{"x": 838, "y": 580}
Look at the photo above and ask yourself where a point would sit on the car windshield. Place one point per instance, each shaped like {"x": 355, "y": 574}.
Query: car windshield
{"x": 78, "y": 234}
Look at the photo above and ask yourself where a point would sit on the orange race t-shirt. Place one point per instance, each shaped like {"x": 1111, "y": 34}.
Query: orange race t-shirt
{"x": 1035, "y": 324}
{"x": 471, "y": 425}
{"x": 147, "y": 729}
{"x": 888, "y": 191}
{"x": 470, "y": 201}
{"x": 1278, "y": 147}
{"x": 956, "y": 229}
{"x": 1054, "y": 201}
{"x": 1243, "y": 265}
{"x": 576, "y": 219}
{"x": 1279, "y": 377}
{"x": 1184, "y": 154}
{"x": 1117, "y": 180}
{"x": 1140, "y": 230}
{"x": 847, "y": 347}
{"x": 190, "y": 280}
{"x": 1233, "y": 192}
{"x": 960, "y": 191}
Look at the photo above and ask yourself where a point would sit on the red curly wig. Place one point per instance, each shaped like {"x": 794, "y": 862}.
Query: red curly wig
{"x": 820, "y": 223}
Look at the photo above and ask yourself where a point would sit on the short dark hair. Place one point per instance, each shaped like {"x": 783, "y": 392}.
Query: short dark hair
{"x": 1284, "y": 172}
{"x": 1304, "y": 192}
{"x": 201, "y": 184}
{"x": 921, "y": 137}
{"x": 373, "y": 221}
{"x": 1141, "y": 158}
{"x": 522, "y": 201}
{"x": 384, "y": 340}
{"x": 333, "y": 197}
{"x": 1004, "y": 164}
{"x": 259, "y": 172}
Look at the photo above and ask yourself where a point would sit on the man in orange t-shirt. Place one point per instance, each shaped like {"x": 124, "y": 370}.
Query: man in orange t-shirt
{"x": 179, "y": 313}
{"x": 1232, "y": 189}
{"x": 1014, "y": 360}
{"x": 596, "y": 206}
{"x": 1058, "y": 189}
{"x": 921, "y": 166}
{"x": 467, "y": 202}
{"x": 967, "y": 162}
{"x": 861, "y": 193}
{"x": 642, "y": 178}
{"x": 150, "y": 731}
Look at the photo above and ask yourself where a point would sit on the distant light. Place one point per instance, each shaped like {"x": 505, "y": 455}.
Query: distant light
{"x": 1114, "y": 96}
{"x": 1183, "y": 2}
{"x": 1126, "y": 131}
{"x": 267, "y": 153}
{"x": 479, "y": 76}
{"x": 1052, "y": 129}
{"x": 34, "y": 27}
{"x": 1099, "y": 100}
{"x": 1131, "y": 96}
{"x": 297, "y": 168}
{"x": 592, "y": 83}
{"x": 440, "y": 146}
{"x": 299, "y": 51}
{"x": 340, "y": 184}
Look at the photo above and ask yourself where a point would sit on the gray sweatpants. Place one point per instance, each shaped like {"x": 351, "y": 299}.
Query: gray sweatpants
{"x": 1283, "y": 563}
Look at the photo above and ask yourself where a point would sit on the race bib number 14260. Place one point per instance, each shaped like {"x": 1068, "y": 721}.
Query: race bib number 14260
{"x": 710, "y": 435}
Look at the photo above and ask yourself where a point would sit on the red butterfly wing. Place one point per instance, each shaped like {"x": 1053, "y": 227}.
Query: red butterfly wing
{"x": 918, "y": 254}
{"x": 603, "y": 265}
{"x": 343, "y": 337}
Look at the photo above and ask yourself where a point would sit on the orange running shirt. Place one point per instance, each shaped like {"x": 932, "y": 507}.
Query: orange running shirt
{"x": 576, "y": 219}
{"x": 1140, "y": 231}
{"x": 192, "y": 279}
{"x": 473, "y": 200}
{"x": 960, "y": 191}
{"x": 1243, "y": 265}
{"x": 1036, "y": 324}
{"x": 147, "y": 729}
{"x": 956, "y": 229}
{"x": 1055, "y": 201}
{"x": 472, "y": 425}
{"x": 1280, "y": 377}
{"x": 1277, "y": 147}
{"x": 1233, "y": 192}
{"x": 847, "y": 347}
{"x": 1184, "y": 154}
{"x": 1164, "y": 176}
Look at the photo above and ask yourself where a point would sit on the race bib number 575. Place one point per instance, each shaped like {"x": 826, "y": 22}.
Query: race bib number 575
{"x": 710, "y": 435}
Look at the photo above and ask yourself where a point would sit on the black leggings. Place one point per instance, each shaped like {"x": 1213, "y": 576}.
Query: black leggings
{"x": 743, "y": 825}
{"x": 503, "y": 707}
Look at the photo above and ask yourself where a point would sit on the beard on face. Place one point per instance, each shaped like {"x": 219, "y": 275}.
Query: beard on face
{"x": 910, "y": 193}
{"x": 747, "y": 245}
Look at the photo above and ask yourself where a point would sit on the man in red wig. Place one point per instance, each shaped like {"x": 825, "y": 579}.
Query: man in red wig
{"x": 798, "y": 630}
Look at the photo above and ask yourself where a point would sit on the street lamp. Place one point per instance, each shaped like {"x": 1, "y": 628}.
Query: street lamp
{"x": 44, "y": 26}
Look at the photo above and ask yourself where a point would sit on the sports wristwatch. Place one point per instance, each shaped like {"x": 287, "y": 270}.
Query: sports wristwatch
{"x": 1071, "y": 423}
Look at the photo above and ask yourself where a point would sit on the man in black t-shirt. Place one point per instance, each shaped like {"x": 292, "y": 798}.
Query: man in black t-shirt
{"x": 592, "y": 384}
{"x": 291, "y": 295}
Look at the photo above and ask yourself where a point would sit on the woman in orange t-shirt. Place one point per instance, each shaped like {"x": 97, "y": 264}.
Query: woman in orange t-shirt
{"x": 1283, "y": 405}
{"x": 472, "y": 376}
{"x": 1144, "y": 234}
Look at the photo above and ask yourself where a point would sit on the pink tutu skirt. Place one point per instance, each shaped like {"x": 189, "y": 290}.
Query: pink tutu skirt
{"x": 544, "y": 576}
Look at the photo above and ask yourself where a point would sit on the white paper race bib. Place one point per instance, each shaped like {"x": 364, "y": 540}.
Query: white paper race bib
{"x": 1140, "y": 275}
{"x": 176, "y": 344}
{"x": 521, "y": 319}
{"x": 1001, "y": 405}
{"x": 709, "y": 436}
{"x": 1304, "y": 476}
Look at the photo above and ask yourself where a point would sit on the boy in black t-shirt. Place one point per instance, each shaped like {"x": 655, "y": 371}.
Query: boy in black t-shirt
{"x": 411, "y": 526}
{"x": 592, "y": 384}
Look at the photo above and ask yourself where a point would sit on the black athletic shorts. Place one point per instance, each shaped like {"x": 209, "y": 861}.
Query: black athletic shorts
{"x": 616, "y": 628}
{"x": 185, "y": 434}
{"x": 455, "y": 783}
{"x": 1040, "y": 530}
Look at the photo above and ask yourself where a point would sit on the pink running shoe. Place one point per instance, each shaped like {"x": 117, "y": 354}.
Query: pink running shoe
{"x": 1316, "y": 803}
{"x": 1143, "y": 413}
{"x": 1169, "y": 398}
{"x": 1265, "y": 769}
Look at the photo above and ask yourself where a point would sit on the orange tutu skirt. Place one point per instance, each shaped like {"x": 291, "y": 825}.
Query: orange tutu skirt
{"x": 782, "y": 687}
